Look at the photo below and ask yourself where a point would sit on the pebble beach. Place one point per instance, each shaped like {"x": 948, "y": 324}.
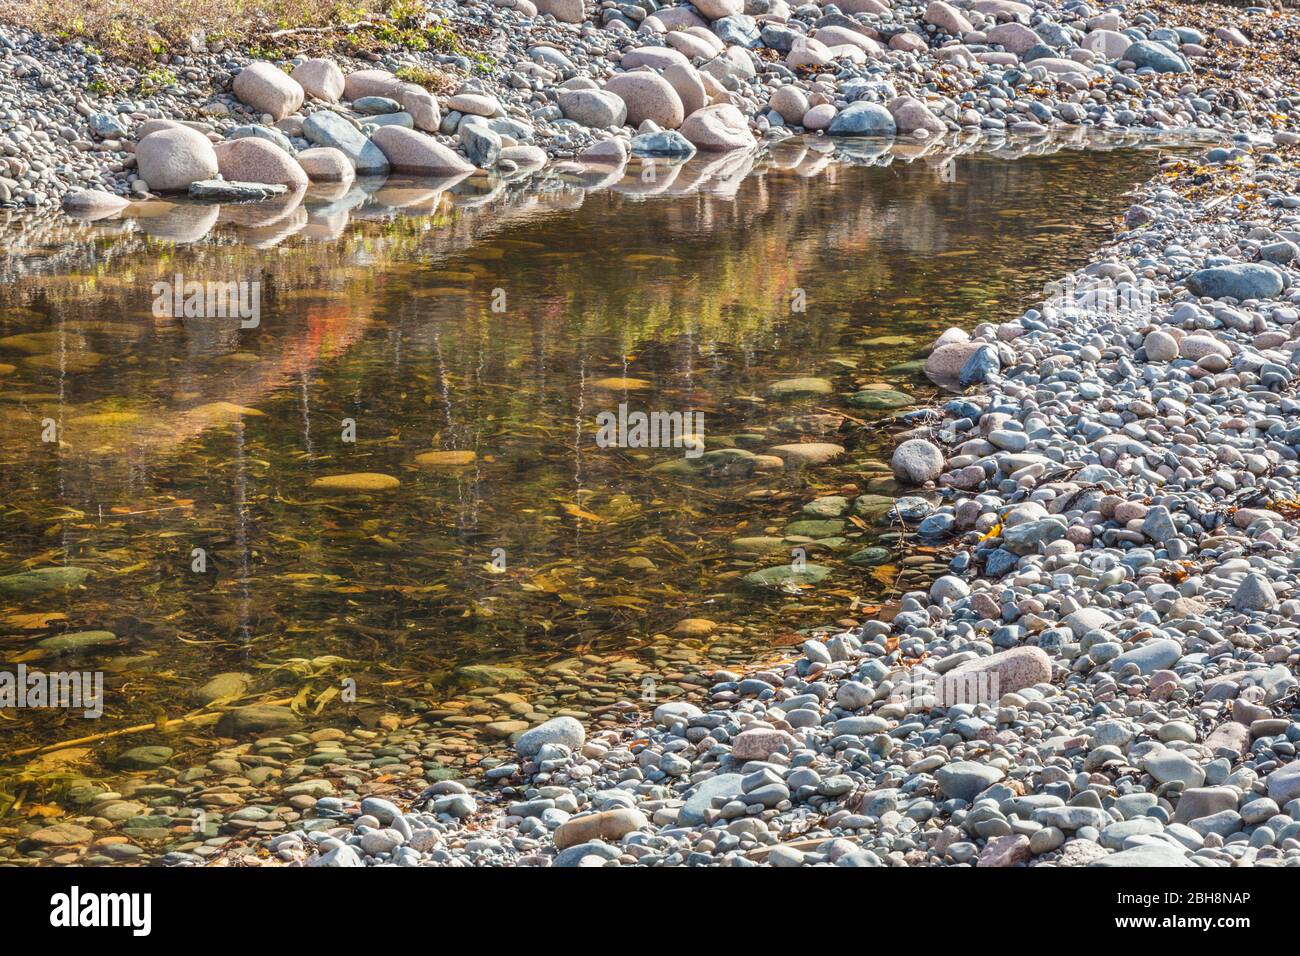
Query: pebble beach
{"x": 1102, "y": 667}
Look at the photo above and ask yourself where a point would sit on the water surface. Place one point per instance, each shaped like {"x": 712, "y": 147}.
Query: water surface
{"x": 497, "y": 328}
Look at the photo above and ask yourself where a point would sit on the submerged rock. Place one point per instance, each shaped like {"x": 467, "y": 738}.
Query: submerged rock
{"x": 41, "y": 580}
{"x": 800, "y": 387}
{"x": 76, "y": 641}
{"x": 257, "y": 719}
{"x": 880, "y": 399}
{"x": 785, "y": 575}
{"x": 358, "y": 481}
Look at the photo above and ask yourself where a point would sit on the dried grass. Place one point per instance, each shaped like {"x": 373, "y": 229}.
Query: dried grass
{"x": 143, "y": 29}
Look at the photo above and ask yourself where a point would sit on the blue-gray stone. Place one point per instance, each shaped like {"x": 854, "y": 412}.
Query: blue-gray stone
{"x": 385, "y": 811}
{"x": 1072, "y": 818}
{"x": 1146, "y": 855}
{"x": 739, "y": 29}
{"x": 1025, "y": 538}
{"x": 481, "y": 144}
{"x": 106, "y": 126}
{"x": 1221, "y": 154}
{"x": 863, "y": 119}
{"x": 965, "y": 779}
{"x": 510, "y": 126}
{"x": 1224, "y": 823}
{"x": 550, "y": 56}
{"x": 1254, "y": 593}
{"x": 327, "y": 128}
{"x": 999, "y": 562}
{"x": 768, "y": 795}
{"x": 389, "y": 119}
{"x": 339, "y": 856}
{"x": 1055, "y": 34}
{"x": 859, "y": 858}
{"x": 376, "y": 105}
{"x": 1114, "y": 835}
{"x": 911, "y": 508}
{"x": 1156, "y": 56}
{"x": 779, "y": 37}
{"x": 1158, "y": 525}
{"x": 1241, "y": 281}
{"x": 937, "y": 525}
{"x": 1024, "y": 806}
{"x": 723, "y": 785}
{"x": 1281, "y": 251}
{"x": 666, "y": 142}
{"x": 574, "y": 854}
{"x": 1150, "y": 656}
{"x": 982, "y": 363}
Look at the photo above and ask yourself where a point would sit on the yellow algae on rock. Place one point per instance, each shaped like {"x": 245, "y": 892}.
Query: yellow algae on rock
{"x": 445, "y": 459}
{"x": 621, "y": 384}
{"x": 358, "y": 481}
{"x": 694, "y": 627}
{"x": 106, "y": 418}
{"x": 221, "y": 411}
{"x": 70, "y": 362}
{"x": 34, "y": 343}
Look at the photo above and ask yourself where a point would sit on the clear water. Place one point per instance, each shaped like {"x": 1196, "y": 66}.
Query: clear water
{"x": 498, "y": 324}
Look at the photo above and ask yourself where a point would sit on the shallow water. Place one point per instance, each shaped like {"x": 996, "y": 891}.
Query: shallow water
{"x": 501, "y": 328}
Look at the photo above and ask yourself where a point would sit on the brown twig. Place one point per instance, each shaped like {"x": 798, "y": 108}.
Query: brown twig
{"x": 197, "y": 718}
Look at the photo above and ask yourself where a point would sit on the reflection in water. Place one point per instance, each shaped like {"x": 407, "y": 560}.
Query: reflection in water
{"x": 490, "y": 326}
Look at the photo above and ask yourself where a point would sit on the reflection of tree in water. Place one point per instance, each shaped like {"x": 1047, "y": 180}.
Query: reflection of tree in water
{"x": 688, "y": 295}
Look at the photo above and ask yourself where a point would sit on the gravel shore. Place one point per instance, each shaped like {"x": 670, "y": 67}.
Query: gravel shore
{"x": 596, "y": 83}
{"x": 1107, "y": 674}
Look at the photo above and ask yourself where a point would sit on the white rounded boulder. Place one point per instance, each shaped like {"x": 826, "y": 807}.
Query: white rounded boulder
{"x": 170, "y": 159}
{"x": 268, "y": 89}
{"x": 792, "y": 103}
{"x": 252, "y": 160}
{"x": 917, "y": 461}
{"x": 648, "y": 96}
{"x": 325, "y": 164}
{"x": 410, "y": 152}
{"x": 595, "y": 109}
{"x": 1160, "y": 346}
{"x": 717, "y": 9}
{"x": 565, "y": 11}
{"x": 320, "y": 78}
{"x": 718, "y": 128}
